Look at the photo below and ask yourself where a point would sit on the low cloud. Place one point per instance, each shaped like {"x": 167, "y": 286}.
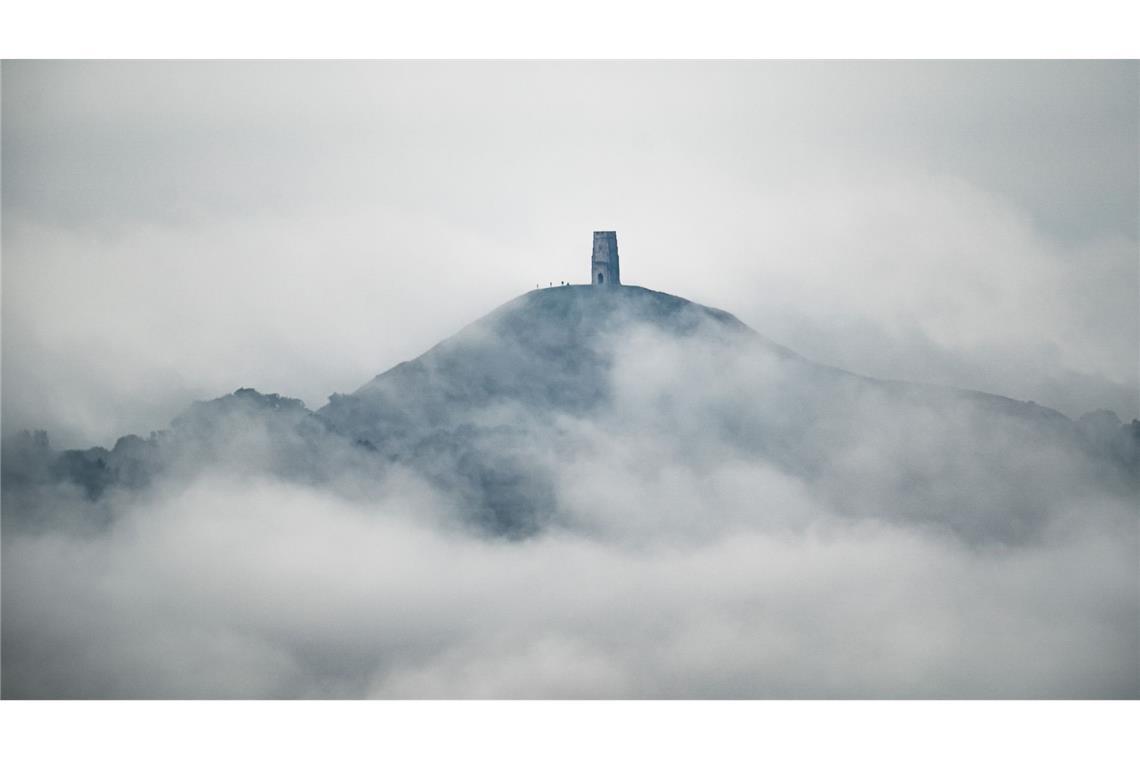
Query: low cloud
{"x": 255, "y": 589}
{"x": 702, "y": 546}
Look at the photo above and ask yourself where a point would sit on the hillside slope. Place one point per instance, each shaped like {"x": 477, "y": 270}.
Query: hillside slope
{"x": 504, "y": 419}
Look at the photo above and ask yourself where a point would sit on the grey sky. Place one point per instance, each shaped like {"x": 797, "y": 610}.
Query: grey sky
{"x": 175, "y": 230}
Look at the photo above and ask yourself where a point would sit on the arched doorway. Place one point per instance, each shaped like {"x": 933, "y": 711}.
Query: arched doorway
{"x": 601, "y": 278}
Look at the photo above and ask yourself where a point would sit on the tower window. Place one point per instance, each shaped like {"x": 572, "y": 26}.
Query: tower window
{"x": 601, "y": 278}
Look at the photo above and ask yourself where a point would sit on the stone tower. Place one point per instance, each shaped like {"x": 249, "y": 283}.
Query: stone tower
{"x": 604, "y": 268}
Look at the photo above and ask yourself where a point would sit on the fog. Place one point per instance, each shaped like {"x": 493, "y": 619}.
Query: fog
{"x": 713, "y": 535}
{"x": 595, "y": 493}
{"x": 298, "y": 594}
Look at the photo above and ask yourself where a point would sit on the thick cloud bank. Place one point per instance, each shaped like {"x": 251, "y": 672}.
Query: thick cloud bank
{"x": 717, "y": 518}
{"x": 255, "y": 589}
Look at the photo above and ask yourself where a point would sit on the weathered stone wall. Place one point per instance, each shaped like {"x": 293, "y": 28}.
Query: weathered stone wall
{"x": 604, "y": 266}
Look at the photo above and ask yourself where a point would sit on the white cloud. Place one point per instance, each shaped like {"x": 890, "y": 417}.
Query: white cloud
{"x": 257, "y": 589}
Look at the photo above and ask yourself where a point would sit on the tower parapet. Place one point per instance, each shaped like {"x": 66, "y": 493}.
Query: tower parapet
{"x": 604, "y": 267}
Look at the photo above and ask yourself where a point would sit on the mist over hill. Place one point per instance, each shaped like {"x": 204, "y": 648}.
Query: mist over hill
{"x": 788, "y": 529}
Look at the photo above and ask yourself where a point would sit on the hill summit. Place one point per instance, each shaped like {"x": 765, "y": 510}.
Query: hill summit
{"x": 551, "y": 350}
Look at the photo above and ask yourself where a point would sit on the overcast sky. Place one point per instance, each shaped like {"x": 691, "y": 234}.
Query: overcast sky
{"x": 172, "y": 231}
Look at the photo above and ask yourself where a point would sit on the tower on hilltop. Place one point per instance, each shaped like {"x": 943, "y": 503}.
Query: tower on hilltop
{"x": 604, "y": 268}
